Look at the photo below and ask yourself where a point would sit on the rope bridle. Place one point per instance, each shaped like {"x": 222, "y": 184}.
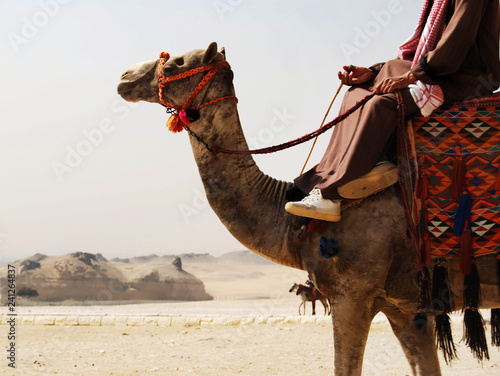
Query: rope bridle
{"x": 186, "y": 114}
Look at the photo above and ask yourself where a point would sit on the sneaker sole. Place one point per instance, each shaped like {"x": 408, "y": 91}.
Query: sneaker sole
{"x": 374, "y": 181}
{"x": 301, "y": 212}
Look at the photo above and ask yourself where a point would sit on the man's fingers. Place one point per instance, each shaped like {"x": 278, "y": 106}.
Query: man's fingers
{"x": 342, "y": 77}
{"x": 345, "y": 78}
{"x": 384, "y": 87}
{"x": 381, "y": 88}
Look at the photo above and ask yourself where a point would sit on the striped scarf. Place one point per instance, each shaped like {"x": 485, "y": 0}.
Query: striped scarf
{"x": 430, "y": 26}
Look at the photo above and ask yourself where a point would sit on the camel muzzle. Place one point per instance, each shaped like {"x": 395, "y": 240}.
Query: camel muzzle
{"x": 136, "y": 77}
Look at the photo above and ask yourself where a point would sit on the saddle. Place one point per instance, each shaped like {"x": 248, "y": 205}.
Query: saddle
{"x": 450, "y": 172}
{"x": 449, "y": 166}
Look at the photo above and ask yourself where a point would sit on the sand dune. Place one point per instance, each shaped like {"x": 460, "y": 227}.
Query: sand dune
{"x": 244, "y": 275}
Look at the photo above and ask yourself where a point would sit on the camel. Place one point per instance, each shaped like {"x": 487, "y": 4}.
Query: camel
{"x": 308, "y": 295}
{"x": 372, "y": 235}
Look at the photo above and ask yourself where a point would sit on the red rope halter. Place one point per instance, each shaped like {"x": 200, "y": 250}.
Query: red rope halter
{"x": 179, "y": 119}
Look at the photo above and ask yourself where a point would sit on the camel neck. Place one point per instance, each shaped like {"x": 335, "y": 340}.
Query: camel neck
{"x": 247, "y": 201}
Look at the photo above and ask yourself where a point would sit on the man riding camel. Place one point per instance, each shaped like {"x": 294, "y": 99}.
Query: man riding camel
{"x": 452, "y": 56}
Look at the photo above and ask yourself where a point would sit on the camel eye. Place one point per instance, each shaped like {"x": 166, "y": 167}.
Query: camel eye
{"x": 179, "y": 61}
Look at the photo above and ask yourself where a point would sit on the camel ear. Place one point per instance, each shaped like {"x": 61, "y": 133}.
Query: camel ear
{"x": 210, "y": 53}
{"x": 223, "y": 52}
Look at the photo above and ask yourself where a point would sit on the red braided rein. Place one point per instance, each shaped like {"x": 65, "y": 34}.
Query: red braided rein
{"x": 298, "y": 141}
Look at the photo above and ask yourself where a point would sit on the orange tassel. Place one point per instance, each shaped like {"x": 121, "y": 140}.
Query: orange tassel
{"x": 458, "y": 180}
{"x": 497, "y": 182}
{"x": 174, "y": 124}
{"x": 465, "y": 252}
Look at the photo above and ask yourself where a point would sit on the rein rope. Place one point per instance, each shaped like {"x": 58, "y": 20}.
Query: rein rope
{"x": 186, "y": 114}
{"x": 300, "y": 140}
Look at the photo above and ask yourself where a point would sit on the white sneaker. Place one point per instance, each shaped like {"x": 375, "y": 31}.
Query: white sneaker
{"x": 315, "y": 206}
{"x": 383, "y": 175}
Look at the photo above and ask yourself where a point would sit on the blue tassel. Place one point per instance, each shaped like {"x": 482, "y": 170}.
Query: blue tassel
{"x": 328, "y": 247}
{"x": 463, "y": 215}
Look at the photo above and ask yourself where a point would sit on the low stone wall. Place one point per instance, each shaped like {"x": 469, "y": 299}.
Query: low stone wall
{"x": 151, "y": 320}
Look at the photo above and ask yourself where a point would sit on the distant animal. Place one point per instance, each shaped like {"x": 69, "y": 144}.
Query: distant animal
{"x": 310, "y": 294}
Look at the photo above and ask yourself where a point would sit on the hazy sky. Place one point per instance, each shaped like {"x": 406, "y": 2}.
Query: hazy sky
{"x": 66, "y": 186}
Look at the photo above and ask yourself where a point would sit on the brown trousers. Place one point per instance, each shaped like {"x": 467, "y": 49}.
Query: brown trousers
{"x": 361, "y": 140}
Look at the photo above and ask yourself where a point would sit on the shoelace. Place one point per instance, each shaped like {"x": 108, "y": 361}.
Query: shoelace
{"x": 315, "y": 195}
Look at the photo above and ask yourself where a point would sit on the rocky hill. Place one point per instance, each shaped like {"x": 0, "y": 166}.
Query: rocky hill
{"x": 82, "y": 276}
{"x": 91, "y": 278}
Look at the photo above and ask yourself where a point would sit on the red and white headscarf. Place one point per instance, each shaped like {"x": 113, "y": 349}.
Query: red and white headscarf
{"x": 429, "y": 29}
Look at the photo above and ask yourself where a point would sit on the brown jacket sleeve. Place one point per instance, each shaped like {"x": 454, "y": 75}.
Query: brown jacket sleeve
{"x": 458, "y": 37}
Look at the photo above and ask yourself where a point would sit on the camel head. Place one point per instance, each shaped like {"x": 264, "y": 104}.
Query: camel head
{"x": 198, "y": 86}
{"x": 294, "y": 286}
{"x": 140, "y": 82}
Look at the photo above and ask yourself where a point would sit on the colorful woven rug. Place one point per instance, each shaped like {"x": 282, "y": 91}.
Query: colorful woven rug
{"x": 431, "y": 150}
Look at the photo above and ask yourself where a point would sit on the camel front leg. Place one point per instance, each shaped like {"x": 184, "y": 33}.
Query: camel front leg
{"x": 304, "y": 308}
{"x": 419, "y": 348}
{"x": 351, "y": 323}
{"x": 313, "y": 302}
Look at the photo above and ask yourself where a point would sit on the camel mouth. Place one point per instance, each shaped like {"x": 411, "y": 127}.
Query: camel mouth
{"x": 135, "y": 80}
{"x": 124, "y": 90}
{"x": 129, "y": 91}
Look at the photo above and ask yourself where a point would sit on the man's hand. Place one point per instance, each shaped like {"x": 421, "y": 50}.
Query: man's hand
{"x": 390, "y": 84}
{"x": 355, "y": 75}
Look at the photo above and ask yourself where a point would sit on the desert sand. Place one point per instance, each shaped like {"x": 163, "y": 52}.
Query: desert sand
{"x": 229, "y": 337}
{"x": 251, "y": 327}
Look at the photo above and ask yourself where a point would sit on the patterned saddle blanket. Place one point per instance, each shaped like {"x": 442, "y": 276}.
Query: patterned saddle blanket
{"x": 431, "y": 148}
